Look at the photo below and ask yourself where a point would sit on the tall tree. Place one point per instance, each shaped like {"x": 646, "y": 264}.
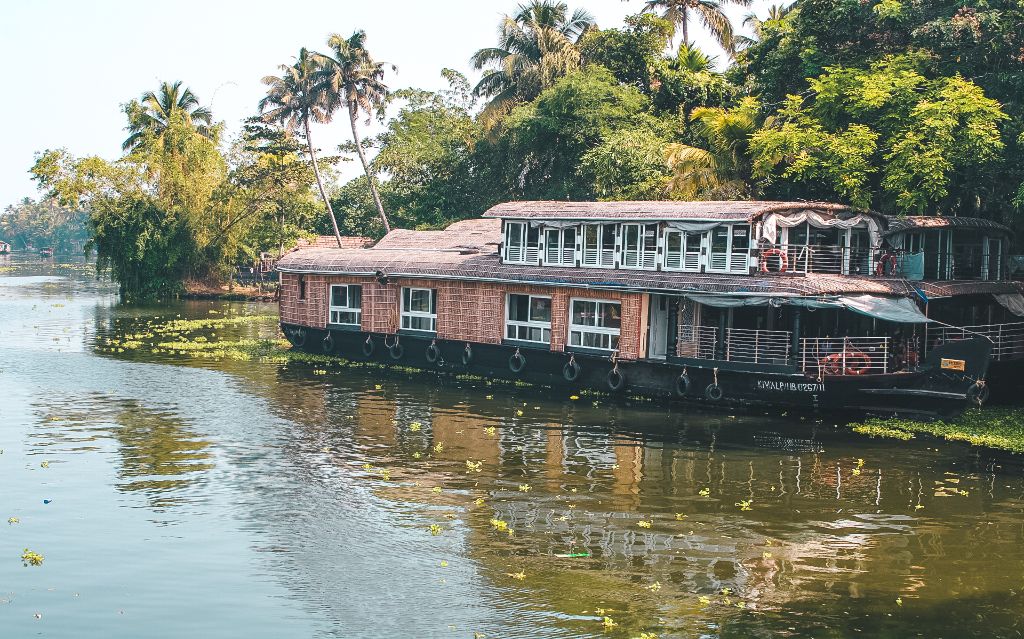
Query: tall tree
{"x": 709, "y": 12}
{"x": 722, "y": 169}
{"x": 536, "y": 47}
{"x": 354, "y": 79}
{"x": 151, "y": 114}
{"x": 295, "y": 99}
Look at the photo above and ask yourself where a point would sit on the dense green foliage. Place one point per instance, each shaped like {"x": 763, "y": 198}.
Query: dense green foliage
{"x": 904, "y": 106}
{"x": 44, "y": 223}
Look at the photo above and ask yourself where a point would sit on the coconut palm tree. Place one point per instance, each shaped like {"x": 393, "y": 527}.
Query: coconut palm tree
{"x": 353, "y": 79}
{"x": 295, "y": 99}
{"x": 536, "y": 46}
{"x": 776, "y": 12}
{"x": 709, "y": 12}
{"x": 151, "y": 114}
{"x": 720, "y": 170}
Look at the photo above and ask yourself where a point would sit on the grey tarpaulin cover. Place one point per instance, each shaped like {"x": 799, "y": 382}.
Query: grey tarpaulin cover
{"x": 890, "y": 309}
{"x": 1014, "y": 302}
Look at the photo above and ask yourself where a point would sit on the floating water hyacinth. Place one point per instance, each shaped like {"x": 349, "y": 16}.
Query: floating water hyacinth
{"x": 525, "y": 488}
{"x": 438, "y": 447}
{"x": 13, "y": 520}
{"x": 608, "y": 623}
{"x": 521, "y": 575}
{"x": 499, "y": 525}
{"x": 680, "y": 516}
{"x": 415, "y": 427}
{"x": 644, "y": 523}
{"x": 479, "y": 501}
{"x": 436, "y": 489}
{"x": 744, "y": 504}
{"x": 31, "y": 558}
{"x": 435, "y": 529}
{"x": 473, "y": 467}
{"x": 655, "y": 587}
{"x": 489, "y": 430}
{"x": 704, "y": 492}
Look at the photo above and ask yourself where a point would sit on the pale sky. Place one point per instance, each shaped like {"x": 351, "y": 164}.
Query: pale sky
{"x": 70, "y": 64}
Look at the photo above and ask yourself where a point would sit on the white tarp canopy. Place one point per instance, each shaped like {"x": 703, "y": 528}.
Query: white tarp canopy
{"x": 890, "y": 309}
{"x": 1013, "y": 302}
{"x": 773, "y": 221}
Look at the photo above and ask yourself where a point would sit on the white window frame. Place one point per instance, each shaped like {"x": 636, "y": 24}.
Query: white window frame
{"x": 689, "y": 257}
{"x": 545, "y": 327}
{"x": 603, "y": 258}
{"x": 409, "y": 314}
{"x": 565, "y": 254}
{"x": 356, "y": 310}
{"x": 612, "y": 333}
{"x": 644, "y": 259}
{"x": 521, "y": 251}
{"x": 735, "y": 262}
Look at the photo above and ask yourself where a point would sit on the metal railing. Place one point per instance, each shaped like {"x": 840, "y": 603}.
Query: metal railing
{"x": 821, "y": 259}
{"x": 757, "y": 347}
{"x": 840, "y": 356}
{"x": 1007, "y": 339}
{"x": 739, "y": 345}
{"x": 966, "y": 263}
{"x": 698, "y": 342}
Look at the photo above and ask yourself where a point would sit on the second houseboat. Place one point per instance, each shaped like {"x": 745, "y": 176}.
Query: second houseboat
{"x": 802, "y": 304}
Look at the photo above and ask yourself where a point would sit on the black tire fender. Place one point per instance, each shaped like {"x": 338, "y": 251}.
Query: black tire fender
{"x": 713, "y": 392}
{"x": 517, "y": 362}
{"x": 396, "y": 351}
{"x": 616, "y": 379}
{"x": 328, "y": 343}
{"x": 571, "y": 371}
{"x": 368, "y": 346}
{"x": 683, "y": 385}
{"x": 433, "y": 353}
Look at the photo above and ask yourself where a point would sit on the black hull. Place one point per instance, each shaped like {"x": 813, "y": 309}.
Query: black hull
{"x": 929, "y": 390}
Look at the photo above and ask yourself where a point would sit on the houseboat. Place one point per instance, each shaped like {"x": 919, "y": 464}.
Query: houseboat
{"x": 804, "y": 304}
{"x": 46, "y": 251}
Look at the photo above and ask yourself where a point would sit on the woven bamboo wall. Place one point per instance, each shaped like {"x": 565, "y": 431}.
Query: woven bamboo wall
{"x": 466, "y": 311}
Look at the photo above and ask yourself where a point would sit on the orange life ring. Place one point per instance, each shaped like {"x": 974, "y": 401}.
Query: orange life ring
{"x": 887, "y": 259}
{"x": 774, "y": 252}
{"x": 834, "y": 364}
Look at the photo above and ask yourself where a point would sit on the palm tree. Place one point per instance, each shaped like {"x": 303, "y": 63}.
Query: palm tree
{"x": 296, "y": 98}
{"x": 151, "y": 114}
{"x": 354, "y": 79}
{"x": 536, "y": 46}
{"x": 722, "y": 168}
{"x": 690, "y": 58}
{"x": 776, "y": 12}
{"x": 709, "y": 12}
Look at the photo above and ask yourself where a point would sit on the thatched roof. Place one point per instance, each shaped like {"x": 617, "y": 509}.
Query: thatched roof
{"x": 915, "y": 222}
{"x": 726, "y": 211}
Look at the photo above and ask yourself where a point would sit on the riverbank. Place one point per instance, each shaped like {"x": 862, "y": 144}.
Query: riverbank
{"x": 198, "y": 290}
{"x": 997, "y": 427}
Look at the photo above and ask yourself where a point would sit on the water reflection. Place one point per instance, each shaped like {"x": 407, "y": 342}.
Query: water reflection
{"x": 654, "y": 504}
{"x": 157, "y": 453}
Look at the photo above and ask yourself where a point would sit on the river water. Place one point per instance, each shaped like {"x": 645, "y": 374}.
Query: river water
{"x": 174, "y": 496}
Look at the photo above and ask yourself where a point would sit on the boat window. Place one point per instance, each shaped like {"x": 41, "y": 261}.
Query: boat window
{"x": 419, "y": 309}
{"x": 522, "y": 243}
{"x": 560, "y": 247}
{"x": 639, "y": 245}
{"x": 528, "y": 318}
{"x": 595, "y": 324}
{"x": 598, "y": 245}
{"x": 346, "y": 304}
{"x": 682, "y": 251}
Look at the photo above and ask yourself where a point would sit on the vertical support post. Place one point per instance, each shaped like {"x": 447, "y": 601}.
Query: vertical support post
{"x": 720, "y": 346}
{"x": 795, "y": 345}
